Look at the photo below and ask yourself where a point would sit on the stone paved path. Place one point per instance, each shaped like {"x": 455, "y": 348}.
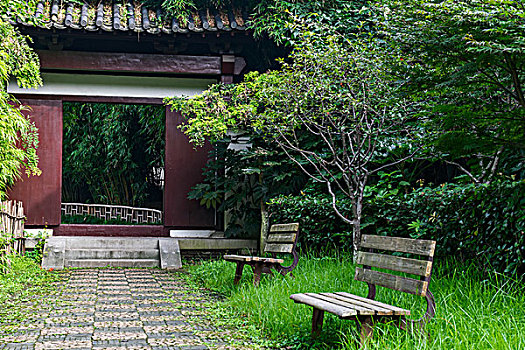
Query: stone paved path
{"x": 120, "y": 309}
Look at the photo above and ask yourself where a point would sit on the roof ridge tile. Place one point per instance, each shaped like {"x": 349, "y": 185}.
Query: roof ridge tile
{"x": 132, "y": 15}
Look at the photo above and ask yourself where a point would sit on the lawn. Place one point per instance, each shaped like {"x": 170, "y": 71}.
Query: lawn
{"x": 22, "y": 289}
{"x": 473, "y": 311}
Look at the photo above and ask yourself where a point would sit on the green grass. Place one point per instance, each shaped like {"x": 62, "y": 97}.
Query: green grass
{"x": 472, "y": 312}
{"x": 23, "y": 285}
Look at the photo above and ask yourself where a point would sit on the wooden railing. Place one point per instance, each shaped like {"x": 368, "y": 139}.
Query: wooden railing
{"x": 113, "y": 212}
{"x": 11, "y": 231}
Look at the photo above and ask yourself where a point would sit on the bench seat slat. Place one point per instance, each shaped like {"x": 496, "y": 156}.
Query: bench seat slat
{"x": 339, "y": 304}
{"x": 252, "y": 258}
{"x": 403, "y": 284}
{"x": 397, "y": 310}
{"x": 395, "y": 263}
{"x": 398, "y": 244}
{"x": 352, "y": 304}
{"x": 320, "y": 304}
{"x": 372, "y": 309}
{"x": 268, "y": 260}
{"x": 237, "y": 258}
{"x": 285, "y": 227}
{"x": 281, "y": 238}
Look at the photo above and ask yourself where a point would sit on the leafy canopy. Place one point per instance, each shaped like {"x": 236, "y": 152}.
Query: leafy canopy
{"x": 332, "y": 88}
{"x": 466, "y": 60}
{"x": 18, "y": 135}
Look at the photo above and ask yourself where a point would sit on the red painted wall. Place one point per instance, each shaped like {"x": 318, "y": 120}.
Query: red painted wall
{"x": 183, "y": 169}
{"x": 42, "y": 195}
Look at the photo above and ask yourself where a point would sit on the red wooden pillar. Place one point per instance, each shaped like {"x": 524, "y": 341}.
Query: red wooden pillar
{"x": 183, "y": 170}
{"x": 42, "y": 195}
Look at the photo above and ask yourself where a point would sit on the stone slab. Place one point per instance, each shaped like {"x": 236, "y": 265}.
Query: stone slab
{"x": 216, "y": 244}
{"x": 54, "y": 253}
{"x": 112, "y": 263}
{"x": 72, "y": 254}
{"x": 169, "y": 254}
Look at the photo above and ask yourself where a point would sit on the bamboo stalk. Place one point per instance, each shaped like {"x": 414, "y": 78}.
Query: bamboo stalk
{"x": 12, "y": 231}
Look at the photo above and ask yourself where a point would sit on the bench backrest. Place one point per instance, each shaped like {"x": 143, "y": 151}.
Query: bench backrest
{"x": 371, "y": 254}
{"x": 282, "y": 238}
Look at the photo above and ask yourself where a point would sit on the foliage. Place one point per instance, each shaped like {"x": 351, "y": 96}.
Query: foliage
{"x": 37, "y": 252}
{"x": 272, "y": 17}
{"x": 472, "y": 221}
{"x": 180, "y": 6}
{"x": 469, "y": 221}
{"x": 113, "y": 152}
{"x": 18, "y": 135}
{"x": 462, "y": 295}
{"x": 465, "y": 60}
{"x": 275, "y": 18}
{"x": 25, "y": 283}
{"x": 345, "y": 102}
{"x": 321, "y": 229}
{"x": 254, "y": 174}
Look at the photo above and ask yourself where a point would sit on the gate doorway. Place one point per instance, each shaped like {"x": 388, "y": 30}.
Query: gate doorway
{"x": 113, "y": 164}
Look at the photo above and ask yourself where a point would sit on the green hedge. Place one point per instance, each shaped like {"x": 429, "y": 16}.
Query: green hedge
{"x": 482, "y": 223}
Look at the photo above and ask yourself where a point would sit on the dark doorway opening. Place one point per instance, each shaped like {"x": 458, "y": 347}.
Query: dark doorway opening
{"x": 113, "y": 163}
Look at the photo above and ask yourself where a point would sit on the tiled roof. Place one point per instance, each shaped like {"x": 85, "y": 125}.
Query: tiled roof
{"x": 132, "y": 16}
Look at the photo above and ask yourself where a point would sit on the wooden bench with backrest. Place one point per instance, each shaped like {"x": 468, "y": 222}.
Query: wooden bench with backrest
{"x": 375, "y": 252}
{"x": 281, "y": 238}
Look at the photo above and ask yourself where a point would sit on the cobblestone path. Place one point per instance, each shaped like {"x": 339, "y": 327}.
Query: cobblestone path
{"x": 120, "y": 309}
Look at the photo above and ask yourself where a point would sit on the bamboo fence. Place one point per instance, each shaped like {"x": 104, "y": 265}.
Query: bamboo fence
{"x": 11, "y": 231}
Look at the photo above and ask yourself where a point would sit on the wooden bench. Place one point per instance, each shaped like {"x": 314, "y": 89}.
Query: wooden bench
{"x": 282, "y": 238}
{"x": 375, "y": 252}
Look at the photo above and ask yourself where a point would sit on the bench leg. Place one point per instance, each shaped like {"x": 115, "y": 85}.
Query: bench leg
{"x": 317, "y": 321}
{"x": 257, "y": 271}
{"x": 365, "y": 326}
{"x": 238, "y": 272}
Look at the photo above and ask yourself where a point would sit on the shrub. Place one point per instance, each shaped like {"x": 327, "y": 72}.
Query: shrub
{"x": 320, "y": 227}
{"x": 470, "y": 221}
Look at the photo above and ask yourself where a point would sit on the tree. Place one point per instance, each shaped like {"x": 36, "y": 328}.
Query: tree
{"x": 18, "y": 135}
{"x": 465, "y": 60}
{"x": 335, "y": 89}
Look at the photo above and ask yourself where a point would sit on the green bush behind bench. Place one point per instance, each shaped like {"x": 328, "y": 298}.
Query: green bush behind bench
{"x": 474, "y": 222}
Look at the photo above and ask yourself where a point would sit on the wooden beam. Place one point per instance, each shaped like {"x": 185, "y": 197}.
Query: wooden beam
{"x": 41, "y": 195}
{"x": 400, "y": 283}
{"x": 130, "y": 62}
{"x": 398, "y": 244}
{"x": 395, "y": 263}
{"x": 111, "y": 230}
{"x": 96, "y": 99}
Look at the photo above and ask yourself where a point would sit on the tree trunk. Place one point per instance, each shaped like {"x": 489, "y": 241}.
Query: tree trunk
{"x": 265, "y": 222}
{"x": 356, "y": 228}
{"x": 356, "y": 236}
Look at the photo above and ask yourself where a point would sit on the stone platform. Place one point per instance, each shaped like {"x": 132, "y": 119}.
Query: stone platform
{"x": 88, "y": 252}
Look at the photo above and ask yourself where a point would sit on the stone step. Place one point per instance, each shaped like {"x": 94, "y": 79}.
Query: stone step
{"x": 74, "y": 254}
{"x": 196, "y": 234}
{"x": 112, "y": 263}
{"x": 112, "y": 243}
